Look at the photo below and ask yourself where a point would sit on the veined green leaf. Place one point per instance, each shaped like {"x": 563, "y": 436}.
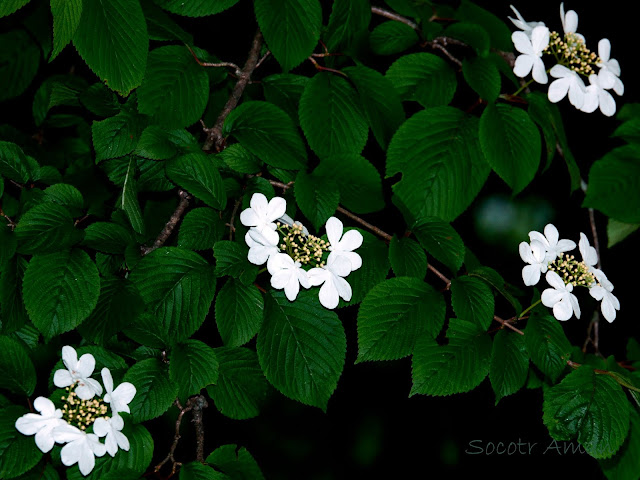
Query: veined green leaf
{"x": 392, "y": 37}
{"x": 14, "y": 164}
{"x": 128, "y": 201}
{"x": 483, "y": 76}
{"x": 509, "y": 363}
{"x": 107, "y": 237}
{"x": 231, "y": 259}
{"x": 112, "y": 38}
{"x": 10, "y": 6}
{"x": 19, "y": 61}
{"x": 195, "y": 8}
{"x": 18, "y": 452}
{"x": 196, "y": 173}
{"x": 199, "y": 471}
{"x": 472, "y": 300}
{"x": 617, "y": 231}
{"x": 348, "y": 20}
{"x": 441, "y": 241}
{"x": 317, "y": 197}
{"x": 116, "y": 136}
{"x": 155, "y": 392}
{"x": 407, "y": 258}
{"x": 200, "y": 229}
{"x": 14, "y": 314}
{"x": 45, "y": 228}
{"x": 239, "y": 312}
{"x": 66, "y": 18}
{"x": 301, "y": 347}
{"x": 193, "y": 367}
{"x": 284, "y": 91}
{"x": 547, "y": 344}
{"x": 625, "y": 464}
{"x": 236, "y": 462}
{"x": 19, "y": 373}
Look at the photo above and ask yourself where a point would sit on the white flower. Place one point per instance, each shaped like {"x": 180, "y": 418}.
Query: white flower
{"x": 259, "y": 247}
{"x": 343, "y": 245}
{"x": 289, "y": 221}
{"x": 119, "y": 398}
{"x": 589, "y": 253}
{"x": 110, "y": 428}
{"x": 569, "y": 21}
{"x": 262, "y": 214}
{"x": 552, "y": 245}
{"x": 534, "y": 255}
{"x": 41, "y": 425}
{"x": 609, "y": 67}
{"x": 333, "y": 284}
{"x": 531, "y": 50}
{"x": 80, "y": 448}
{"x": 567, "y": 81}
{"x": 602, "y": 292}
{"x": 560, "y": 298}
{"x": 287, "y": 274}
{"x": 596, "y": 96}
{"x": 527, "y": 27}
{"x": 78, "y": 371}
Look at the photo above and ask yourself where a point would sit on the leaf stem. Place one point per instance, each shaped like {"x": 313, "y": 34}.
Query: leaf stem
{"x": 529, "y": 308}
{"x": 170, "y": 225}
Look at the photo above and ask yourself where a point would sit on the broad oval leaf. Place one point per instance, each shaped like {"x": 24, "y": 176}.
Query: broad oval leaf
{"x": 407, "y": 258}
{"x": 193, "y": 366}
{"x": 483, "y": 76}
{"x": 591, "y": 407}
{"x": 625, "y": 464}
{"x": 547, "y": 345}
{"x": 66, "y": 18}
{"x": 317, "y": 197}
{"x": 301, "y": 347}
{"x": 155, "y": 392}
{"x": 291, "y": 28}
{"x": 441, "y": 241}
{"x": 200, "y": 229}
{"x": 443, "y": 168}
{"x": 19, "y": 374}
{"x": 195, "y": 8}
{"x": 239, "y": 312}
{"x": 116, "y": 136}
{"x": 45, "y": 228}
{"x": 348, "y": 21}
{"x": 19, "y": 61}
{"x": 472, "y": 300}
{"x": 175, "y": 89}
{"x": 331, "y": 117}
{"x": 60, "y": 290}
{"x": 235, "y": 461}
{"x": 392, "y": 37}
{"x": 18, "y": 452}
{"x": 196, "y": 173}
{"x": 394, "y": 314}
{"x": 112, "y": 38}
{"x": 509, "y": 363}
{"x": 14, "y": 164}
{"x": 267, "y": 132}
{"x": 10, "y": 6}
{"x": 511, "y": 144}
{"x": 107, "y": 237}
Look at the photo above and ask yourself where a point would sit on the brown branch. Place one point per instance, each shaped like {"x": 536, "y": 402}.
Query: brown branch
{"x": 199, "y": 403}
{"x": 10, "y": 223}
{"x": 235, "y": 67}
{"x": 441, "y": 43}
{"x": 176, "y": 439}
{"x": 326, "y": 69}
{"x": 394, "y": 16}
{"x": 214, "y": 134}
{"x": 170, "y": 225}
{"x": 594, "y": 233}
{"x": 232, "y": 227}
{"x": 365, "y": 224}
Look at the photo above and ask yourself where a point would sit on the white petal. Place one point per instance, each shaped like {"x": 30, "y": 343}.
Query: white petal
{"x": 558, "y": 90}
{"x": 328, "y": 295}
{"x": 67, "y": 433}
{"x": 618, "y": 87}
{"x": 280, "y": 280}
{"x": 555, "y": 281}
{"x": 351, "y": 240}
{"x": 317, "y": 276}
{"x": 560, "y": 71}
{"x": 72, "y": 452}
{"x": 44, "y": 438}
{"x": 608, "y": 312}
{"x": 531, "y": 275}
{"x": 107, "y": 379}
{"x": 88, "y": 388}
{"x": 576, "y": 92}
{"x": 249, "y": 218}
{"x": 279, "y": 262}
{"x": 339, "y": 265}
{"x": 604, "y": 49}
{"x": 589, "y": 254}
{"x": 539, "y": 73}
{"x": 540, "y": 40}
{"x": 85, "y": 366}
{"x": 44, "y": 406}
{"x": 590, "y": 101}
{"x": 539, "y": 250}
{"x": 258, "y": 255}
{"x": 303, "y": 277}
{"x": 522, "y": 43}
{"x": 562, "y": 310}
{"x": 525, "y": 252}
{"x": 101, "y": 427}
{"x": 538, "y": 237}
{"x": 550, "y": 297}
{"x": 276, "y": 208}
{"x": 607, "y": 103}
{"x": 271, "y": 236}
{"x": 123, "y": 441}
{"x": 69, "y": 357}
{"x": 334, "y": 230}
{"x": 259, "y": 204}
{"x": 597, "y": 292}
{"x": 551, "y": 232}
{"x": 574, "y": 304}
{"x": 523, "y": 65}
{"x": 605, "y": 79}
{"x": 86, "y": 462}
{"x": 570, "y": 23}
{"x": 343, "y": 288}
{"x": 62, "y": 378}
{"x": 292, "y": 287}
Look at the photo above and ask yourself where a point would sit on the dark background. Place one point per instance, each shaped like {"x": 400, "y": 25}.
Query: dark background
{"x": 371, "y": 428}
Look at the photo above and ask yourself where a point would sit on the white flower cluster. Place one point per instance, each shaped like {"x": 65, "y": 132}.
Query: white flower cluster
{"x": 546, "y": 254}
{"x": 80, "y": 412}
{"x": 572, "y": 62}
{"x": 286, "y": 256}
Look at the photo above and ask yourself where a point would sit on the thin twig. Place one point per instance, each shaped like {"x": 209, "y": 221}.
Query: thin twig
{"x": 199, "y": 403}
{"x": 170, "y": 225}
{"x": 235, "y": 67}
{"x": 326, "y": 69}
{"x": 264, "y": 57}
{"x": 176, "y": 438}
{"x": 214, "y": 134}
{"x": 394, "y": 16}
{"x": 232, "y": 227}
{"x": 275, "y": 183}
{"x": 365, "y": 224}
{"x": 10, "y": 223}
{"x": 441, "y": 43}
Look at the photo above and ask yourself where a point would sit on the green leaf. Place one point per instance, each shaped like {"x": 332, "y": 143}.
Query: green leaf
{"x": 614, "y": 184}
{"x": 116, "y": 136}
{"x": 374, "y": 269}
{"x": 494, "y": 279}
{"x": 14, "y": 164}
{"x": 19, "y": 374}
{"x": 64, "y": 194}
{"x": 617, "y": 231}
{"x": 241, "y": 389}
{"x": 317, "y": 197}
{"x": 291, "y": 28}
{"x": 457, "y": 367}
{"x": 588, "y": 406}
{"x": 10, "y": 6}
{"x": 155, "y": 392}
{"x": 284, "y": 90}
{"x": 195, "y": 8}
{"x": 359, "y": 181}
{"x": 200, "y": 229}
{"x": 509, "y": 363}
{"x": 331, "y": 117}
{"x": 392, "y": 37}
{"x": 380, "y": 101}
{"x": 60, "y": 290}
{"x": 177, "y": 286}
{"x": 441, "y": 241}
{"x": 128, "y": 201}
{"x": 161, "y": 26}
{"x": 443, "y": 168}
{"x": 45, "y": 228}
{"x": 8, "y": 244}
{"x": 407, "y": 258}
{"x": 268, "y": 133}
{"x": 196, "y": 173}
{"x": 107, "y": 237}
{"x": 547, "y": 345}
{"x": 394, "y": 315}
{"x": 473, "y": 35}
{"x": 101, "y": 101}
{"x": 239, "y": 312}
{"x": 511, "y": 144}
{"x": 66, "y": 18}
{"x": 154, "y": 144}
{"x": 472, "y": 300}
{"x": 625, "y": 464}
{"x": 236, "y": 462}
{"x": 231, "y": 259}
{"x": 14, "y": 314}
{"x": 112, "y": 38}
{"x": 482, "y": 75}
{"x": 193, "y": 367}
{"x": 499, "y": 33}
{"x": 348, "y": 19}
{"x": 19, "y": 62}
{"x": 198, "y": 471}
{"x": 125, "y": 465}
{"x": 18, "y": 452}
{"x": 118, "y": 306}
{"x": 238, "y": 158}
{"x": 424, "y": 78}
{"x": 301, "y": 347}
{"x": 175, "y": 89}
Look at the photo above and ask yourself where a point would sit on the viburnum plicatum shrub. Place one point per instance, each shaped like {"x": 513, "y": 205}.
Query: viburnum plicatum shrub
{"x": 178, "y": 232}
